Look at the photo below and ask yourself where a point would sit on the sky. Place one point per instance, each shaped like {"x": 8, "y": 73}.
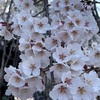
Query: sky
{"x": 98, "y": 7}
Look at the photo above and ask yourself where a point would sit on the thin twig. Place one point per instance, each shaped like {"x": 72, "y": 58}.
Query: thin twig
{"x": 37, "y": 2}
{"x": 39, "y": 13}
{"x": 4, "y": 9}
{"x": 46, "y": 7}
{"x": 2, "y": 64}
{"x": 9, "y": 13}
{"x": 16, "y": 56}
{"x": 9, "y": 55}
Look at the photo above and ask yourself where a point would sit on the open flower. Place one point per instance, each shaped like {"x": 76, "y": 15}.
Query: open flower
{"x": 80, "y": 90}
{"x": 38, "y": 46}
{"x": 31, "y": 67}
{"x": 27, "y": 5}
{"x": 22, "y": 17}
{"x": 92, "y": 79}
{"x": 58, "y": 70}
{"x": 41, "y": 25}
{"x": 16, "y": 80}
{"x": 9, "y": 71}
{"x": 60, "y": 92}
{"x": 55, "y": 4}
{"x": 60, "y": 55}
{"x": 35, "y": 83}
{"x": 52, "y": 42}
{"x": 43, "y": 56}
{"x": 67, "y": 77}
{"x": 13, "y": 90}
{"x": 6, "y": 34}
{"x": 25, "y": 93}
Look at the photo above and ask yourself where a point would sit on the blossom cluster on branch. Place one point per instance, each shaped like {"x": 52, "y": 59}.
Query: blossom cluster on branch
{"x": 54, "y": 44}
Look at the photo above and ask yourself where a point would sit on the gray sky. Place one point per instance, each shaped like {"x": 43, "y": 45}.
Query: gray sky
{"x": 98, "y": 7}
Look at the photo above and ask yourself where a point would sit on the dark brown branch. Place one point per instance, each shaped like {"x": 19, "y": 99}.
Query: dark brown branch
{"x": 3, "y": 62}
{"x": 9, "y": 55}
{"x": 16, "y": 56}
{"x": 37, "y": 2}
{"x": 39, "y": 13}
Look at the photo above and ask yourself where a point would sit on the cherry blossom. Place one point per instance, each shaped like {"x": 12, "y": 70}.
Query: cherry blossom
{"x": 92, "y": 79}
{"x": 27, "y": 5}
{"x": 16, "y": 80}
{"x": 58, "y": 69}
{"x": 80, "y": 91}
{"x": 41, "y": 25}
{"x": 31, "y": 67}
{"x": 58, "y": 45}
{"x": 22, "y": 17}
{"x": 62, "y": 92}
{"x": 32, "y": 83}
{"x": 60, "y": 55}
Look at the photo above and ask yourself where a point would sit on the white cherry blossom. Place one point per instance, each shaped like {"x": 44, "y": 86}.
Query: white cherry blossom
{"x": 52, "y": 42}
{"x": 31, "y": 67}
{"x": 55, "y": 4}
{"x": 14, "y": 90}
{"x": 16, "y": 80}
{"x": 92, "y": 79}
{"x": 35, "y": 83}
{"x": 41, "y": 25}
{"x": 27, "y": 5}
{"x": 6, "y": 34}
{"x": 25, "y": 93}
{"x": 58, "y": 69}
{"x": 22, "y": 17}
{"x": 60, "y": 92}
{"x": 60, "y": 55}
{"x": 81, "y": 91}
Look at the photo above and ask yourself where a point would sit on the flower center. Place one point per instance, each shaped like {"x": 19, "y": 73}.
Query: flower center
{"x": 40, "y": 25}
{"x": 39, "y": 45}
{"x": 62, "y": 56}
{"x": 97, "y": 54}
{"x": 72, "y": 52}
{"x": 67, "y": 8}
{"x": 27, "y": 5}
{"x": 59, "y": 66}
{"x": 24, "y": 18}
{"x": 77, "y": 22}
{"x": 54, "y": 41}
{"x": 17, "y": 79}
{"x": 68, "y": 81}
{"x": 81, "y": 90}
{"x": 32, "y": 67}
{"x": 62, "y": 89}
{"x": 71, "y": 25}
{"x": 74, "y": 33}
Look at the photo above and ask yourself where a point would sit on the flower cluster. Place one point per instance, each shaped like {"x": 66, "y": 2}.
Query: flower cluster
{"x": 71, "y": 23}
{"x": 22, "y": 82}
{"x": 72, "y": 28}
